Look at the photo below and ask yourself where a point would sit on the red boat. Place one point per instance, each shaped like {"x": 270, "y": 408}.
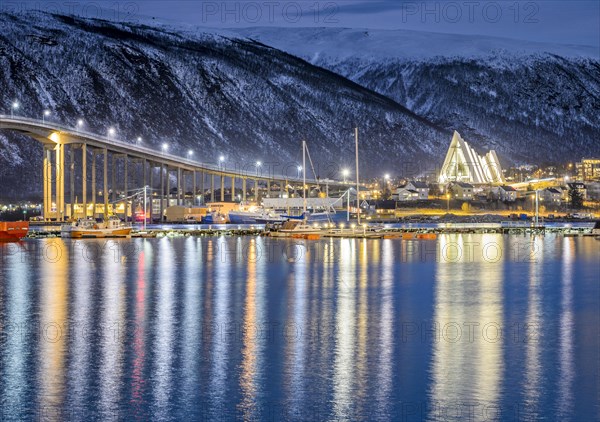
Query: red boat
{"x": 13, "y": 232}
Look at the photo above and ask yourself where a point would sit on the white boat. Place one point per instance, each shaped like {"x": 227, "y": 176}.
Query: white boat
{"x": 295, "y": 228}
{"x": 88, "y": 228}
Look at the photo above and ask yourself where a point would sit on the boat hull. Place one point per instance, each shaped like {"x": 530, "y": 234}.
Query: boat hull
{"x": 13, "y": 231}
{"x": 99, "y": 233}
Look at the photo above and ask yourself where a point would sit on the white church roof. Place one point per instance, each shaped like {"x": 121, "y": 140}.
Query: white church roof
{"x": 463, "y": 164}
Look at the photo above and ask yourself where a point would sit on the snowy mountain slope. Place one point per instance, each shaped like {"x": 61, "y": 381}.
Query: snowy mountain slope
{"x": 531, "y": 101}
{"x": 334, "y": 45}
{"x": 205, "y": 92}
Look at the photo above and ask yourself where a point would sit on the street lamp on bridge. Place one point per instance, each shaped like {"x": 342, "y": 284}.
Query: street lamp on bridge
{"x": 14, "y": 106}
{"x": 45, "y": 114}
{"x": 258, "y": 164}
{"x": 111, "y": 131}
{"x": 299, "y": 170}
{"x": 190, "y": 153}
{"x": 221, "y": 160}
{"x": 165, "y": 147}
{"x": 79, "y": 123}
{"x": 345, "y": 173}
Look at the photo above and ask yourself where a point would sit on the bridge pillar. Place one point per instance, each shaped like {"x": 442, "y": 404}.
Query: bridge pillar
{"x": 72, "y": 180}
{"x": 202, "y": 187}
{"x": 60, "y": 181}
{"x": 168, "y": 188}
{"x": 162, "y": 192}
{"x": 47, "y": 182}
{"x": 84, "y": 178}
{"x": 244, "y": 189}
{"x": 212, "y": 188}
{"x": 232, "y": 188}
{"x": 180, "y": 185}
{"x": 151, "y": 192}
{"x": 94, "y": 196}
{"x": 126, "y": 188}
{"x": 255, "y": 190}
{"x": 222, "y": 188}
{"x": 105, "y": 180}
{"x": 194, "y": 190}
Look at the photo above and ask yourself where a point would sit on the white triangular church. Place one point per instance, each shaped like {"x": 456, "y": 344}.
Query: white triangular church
{"x": 463, "y": 164}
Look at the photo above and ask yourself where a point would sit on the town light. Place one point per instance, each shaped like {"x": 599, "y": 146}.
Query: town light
{"x": 387, "y": 176}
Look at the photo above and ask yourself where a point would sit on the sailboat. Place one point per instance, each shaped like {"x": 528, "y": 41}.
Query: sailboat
{"x": 299, "y": 228}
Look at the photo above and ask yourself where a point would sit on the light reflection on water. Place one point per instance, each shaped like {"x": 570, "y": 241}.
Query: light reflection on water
{"x": 485, "y": 327}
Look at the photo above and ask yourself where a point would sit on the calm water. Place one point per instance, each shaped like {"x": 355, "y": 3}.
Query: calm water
{"x": 479, "y": 327}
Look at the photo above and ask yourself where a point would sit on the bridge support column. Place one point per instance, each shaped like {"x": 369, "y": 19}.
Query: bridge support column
{"x": 222, "y": 188}
{"x": 194, "y": 190}
{"x": 94, "y": 196}
{"x": 60, "y": 182}
{"x": 125, "y": 187}
{"x": 179, "y": 187}
{"x": 162, "y": 192}
{"x": 255, "y": 190}
{"x": 47, "y": 181}
{"x": 244, "y": 189}
{"x": 72, "y": 181}
{"x": 105, "y": 180}
{"x": 168, "y": 187}
{"x": 202, "y": 188}
{"x": 212, "y": 188}
{"x": 150, "y": 193}
{"x": 232, "y": 188}
{"x": 84, "y": 178}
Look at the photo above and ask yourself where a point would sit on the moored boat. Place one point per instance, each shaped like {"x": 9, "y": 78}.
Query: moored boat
{"x": 88, "y": 228}
{"x": 295, "y": 229}
{"x": 13, "y": 231}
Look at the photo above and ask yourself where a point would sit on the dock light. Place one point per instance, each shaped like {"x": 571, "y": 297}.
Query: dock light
{"x": 342, "y": 226}
{"x": 353, "y": 226}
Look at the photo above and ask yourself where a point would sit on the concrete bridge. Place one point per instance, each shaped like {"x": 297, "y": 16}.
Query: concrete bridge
{"x": 60, "y": 141}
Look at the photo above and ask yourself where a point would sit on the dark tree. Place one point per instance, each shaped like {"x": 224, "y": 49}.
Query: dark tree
{"x": 576, "y": 199}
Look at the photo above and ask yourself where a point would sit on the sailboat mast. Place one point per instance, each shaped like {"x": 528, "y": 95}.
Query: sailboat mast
{"x": 357, "y": 177}
{"x": 304, "y": 176}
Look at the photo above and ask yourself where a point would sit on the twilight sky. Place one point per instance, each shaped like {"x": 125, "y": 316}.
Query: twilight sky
{"x": 555, "y": 21}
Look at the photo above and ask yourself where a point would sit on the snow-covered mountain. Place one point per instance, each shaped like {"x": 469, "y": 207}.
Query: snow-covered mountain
{"x": 228, "y": 92}
{"x": 206, "y": 92}
{"x": 530, "y": 101}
